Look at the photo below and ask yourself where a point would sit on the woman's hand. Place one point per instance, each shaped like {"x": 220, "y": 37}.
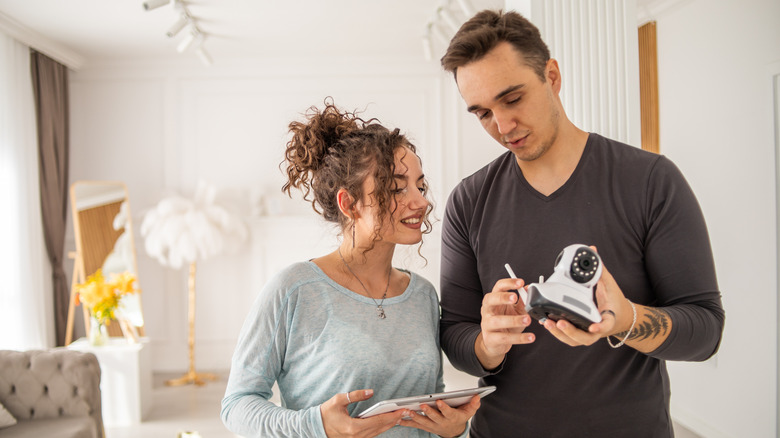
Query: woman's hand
{"x": 445, "y": 421}
{"x": 338, "y": 423}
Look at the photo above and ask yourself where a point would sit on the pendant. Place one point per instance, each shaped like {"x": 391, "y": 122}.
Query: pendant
{"x": 380, "y": 312}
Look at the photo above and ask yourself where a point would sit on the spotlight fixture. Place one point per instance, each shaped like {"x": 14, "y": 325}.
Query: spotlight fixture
{"x": 466, "y": 7}
{"x": 448, "y": 18}
{"x": 427, "y": 48}
{"x": 154, "y": 4}
{"x": 192, "y": 36}
{"x": 446, "y": 21}
{"x": 204, "y": 57}
{"x": 178, "y": 26}
{"x": 440, "y": 34}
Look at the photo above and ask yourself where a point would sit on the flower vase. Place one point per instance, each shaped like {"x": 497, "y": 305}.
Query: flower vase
{"x": 98, "y": 334}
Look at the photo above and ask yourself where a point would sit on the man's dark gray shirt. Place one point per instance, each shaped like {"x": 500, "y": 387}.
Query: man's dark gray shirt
{"x": 641, "y": 214}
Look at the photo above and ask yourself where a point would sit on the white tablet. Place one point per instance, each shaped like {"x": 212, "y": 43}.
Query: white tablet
{"x": 452, "y": 398}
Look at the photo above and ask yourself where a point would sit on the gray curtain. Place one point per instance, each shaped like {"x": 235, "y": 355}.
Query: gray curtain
{"x": 50, "y": 87}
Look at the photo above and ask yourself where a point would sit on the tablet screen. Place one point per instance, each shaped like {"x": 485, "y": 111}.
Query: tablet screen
{"x": 453, "y": 398}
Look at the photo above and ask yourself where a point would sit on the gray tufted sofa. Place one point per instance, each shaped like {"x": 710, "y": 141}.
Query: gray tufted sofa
{"x": 51, "y": 393}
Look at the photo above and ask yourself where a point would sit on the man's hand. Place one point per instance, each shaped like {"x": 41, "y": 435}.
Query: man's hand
{"x": 616, "y": 315}
{"x": 611, "y": 304}
{"x": 503, "y": 320}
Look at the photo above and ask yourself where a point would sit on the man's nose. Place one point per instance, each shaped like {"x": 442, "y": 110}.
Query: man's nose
{"x": 505, "y": 122}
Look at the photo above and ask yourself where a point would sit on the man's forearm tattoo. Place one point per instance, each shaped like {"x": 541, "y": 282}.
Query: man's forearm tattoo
{"x": 655, "y": 323}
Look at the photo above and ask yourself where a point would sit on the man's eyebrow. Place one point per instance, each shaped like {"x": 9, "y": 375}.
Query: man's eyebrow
{"x": 503, "y": 93}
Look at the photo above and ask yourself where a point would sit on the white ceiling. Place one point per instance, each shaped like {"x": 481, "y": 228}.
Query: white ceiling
{"x": 122, "y": 29}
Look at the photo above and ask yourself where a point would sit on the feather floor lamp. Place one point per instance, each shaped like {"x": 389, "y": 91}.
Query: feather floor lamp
{"x": 178, "y": 231}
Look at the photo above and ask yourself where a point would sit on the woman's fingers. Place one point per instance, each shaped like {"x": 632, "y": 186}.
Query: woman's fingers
{"x": 356, "y": 396}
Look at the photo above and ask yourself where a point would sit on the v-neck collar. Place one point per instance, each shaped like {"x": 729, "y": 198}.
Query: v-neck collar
{"x": 572, "y": 178}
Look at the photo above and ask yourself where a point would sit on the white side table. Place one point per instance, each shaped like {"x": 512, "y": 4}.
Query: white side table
{"x": 125, "y": 379}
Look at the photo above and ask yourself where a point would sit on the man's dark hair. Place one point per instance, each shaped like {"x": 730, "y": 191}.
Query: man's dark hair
{"x": 483, "y": 32}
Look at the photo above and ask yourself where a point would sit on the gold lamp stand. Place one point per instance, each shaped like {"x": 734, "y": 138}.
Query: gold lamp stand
{"x": 191, "y": 376}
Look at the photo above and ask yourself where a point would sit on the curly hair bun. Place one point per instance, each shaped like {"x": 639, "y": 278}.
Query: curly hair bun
{"x": 324, "y": 140}
{"x": 312, "y": 139}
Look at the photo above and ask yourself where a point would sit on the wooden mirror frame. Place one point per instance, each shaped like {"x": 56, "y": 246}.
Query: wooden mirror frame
{"x": 96, "y": 237}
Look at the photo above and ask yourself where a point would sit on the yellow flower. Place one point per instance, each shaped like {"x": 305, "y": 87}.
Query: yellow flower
{"x": 101, "y": 297}
{"x": 124, "y": 282}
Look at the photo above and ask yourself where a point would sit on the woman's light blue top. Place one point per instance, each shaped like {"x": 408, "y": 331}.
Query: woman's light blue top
{"x": 316, "y": 339}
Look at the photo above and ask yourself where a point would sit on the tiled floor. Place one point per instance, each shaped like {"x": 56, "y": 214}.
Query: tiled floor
{"x": 192, "y": 408}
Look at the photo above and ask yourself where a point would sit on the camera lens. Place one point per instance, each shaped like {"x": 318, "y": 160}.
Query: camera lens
{"x": 584, "y": 265}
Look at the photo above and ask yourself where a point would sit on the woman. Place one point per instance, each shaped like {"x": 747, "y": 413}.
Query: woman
{"x": 345, "y": 330}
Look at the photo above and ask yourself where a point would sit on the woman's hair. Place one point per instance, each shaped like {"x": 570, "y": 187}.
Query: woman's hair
{"x": 336, "y": 149}
{"x": 483, "y": 32}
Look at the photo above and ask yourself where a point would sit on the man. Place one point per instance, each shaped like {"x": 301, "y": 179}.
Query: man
{"x": 558, "y": 185}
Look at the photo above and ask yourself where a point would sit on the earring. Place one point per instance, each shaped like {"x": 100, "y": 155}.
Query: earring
{"x": 353, "y": 234}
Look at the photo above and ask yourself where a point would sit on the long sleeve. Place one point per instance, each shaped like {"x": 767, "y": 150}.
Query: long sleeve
{"x": 314, "y": 339}
{"x": 640, "y": 213}
{"x": 461, "y": 288}
{"x": 679, "y": 261}
{"x": 256, "y": 365}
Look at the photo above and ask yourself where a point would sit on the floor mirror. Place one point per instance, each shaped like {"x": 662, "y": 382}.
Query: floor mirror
{"x": 103, "y": 231}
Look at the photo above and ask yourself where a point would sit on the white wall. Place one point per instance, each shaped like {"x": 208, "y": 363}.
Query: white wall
{"x": 716, "y": 125}
{"x": 161, "y": 127}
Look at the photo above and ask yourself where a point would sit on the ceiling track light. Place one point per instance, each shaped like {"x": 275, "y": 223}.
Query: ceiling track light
{"x": 154, "y": 4}
{"x": 178, "y": 26}
{"x": 444, "y": 24}
{"x": 427, "y": 48}
{"x": 465, "y": 6}
{"x": 448, "y": 18}
{"x": 440, "y": 34}
{"x": 204, "y": 56}
{"x": 191, "y": 38}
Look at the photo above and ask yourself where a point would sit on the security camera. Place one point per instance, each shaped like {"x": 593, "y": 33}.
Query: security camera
{"x": 569, "y": 292}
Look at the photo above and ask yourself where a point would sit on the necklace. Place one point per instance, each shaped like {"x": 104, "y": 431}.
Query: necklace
{"x": 380, "y": 312}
